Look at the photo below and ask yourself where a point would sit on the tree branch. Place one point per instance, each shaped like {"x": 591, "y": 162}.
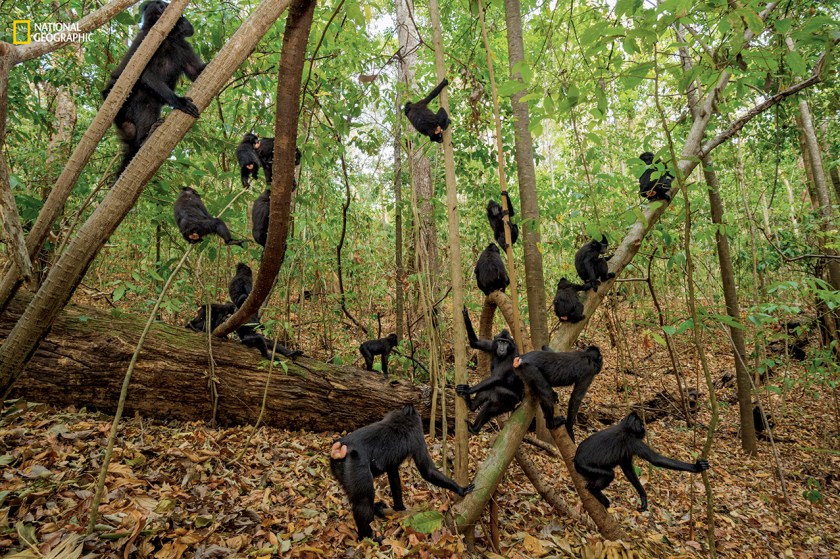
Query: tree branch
{"x": 736, "y": 126}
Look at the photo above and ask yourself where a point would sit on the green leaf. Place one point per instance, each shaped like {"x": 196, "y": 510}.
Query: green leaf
{"x": 627, "y": 7}
{"x": 754, "y": 22}
{"x": 548, "y": 104}
{"x": 629, "y": 45}
{"x": 424, "y": 522}
{"x": 119, "y": 292}
{"x": 796, "y": 62}
{"x": 782, "y": 25}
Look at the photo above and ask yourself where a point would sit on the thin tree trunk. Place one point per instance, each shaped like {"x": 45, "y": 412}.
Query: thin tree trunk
{"x": 518, "y": 333}
{"x": 8, "y": 208}
{"x": 730, "y": 294}
{"x": 791, "y": 207}
{"x": 534, "y": 277}
{"x": 833, "y": 171}
{"x": 727, "y": 276}
{"x": 820, "y": 185}
{"x": 459, "y": 332}
{"x": 292, "y": 55}
{"x": 72, "y": 265}
{"x": 399, "y": 272}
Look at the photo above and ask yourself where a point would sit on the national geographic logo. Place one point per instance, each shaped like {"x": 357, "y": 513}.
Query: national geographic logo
{"x": 24, "y": 32}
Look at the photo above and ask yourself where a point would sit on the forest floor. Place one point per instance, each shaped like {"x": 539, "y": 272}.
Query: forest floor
{"x": 189, "y": 490}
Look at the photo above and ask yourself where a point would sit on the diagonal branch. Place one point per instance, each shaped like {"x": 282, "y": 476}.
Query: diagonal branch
{"x": 736, "y": 126}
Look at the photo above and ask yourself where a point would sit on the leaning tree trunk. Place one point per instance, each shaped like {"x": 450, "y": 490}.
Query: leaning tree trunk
{"x": 81, "y": 363}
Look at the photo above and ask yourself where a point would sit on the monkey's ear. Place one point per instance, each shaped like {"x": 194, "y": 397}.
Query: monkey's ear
{"x": 409, "y": 410}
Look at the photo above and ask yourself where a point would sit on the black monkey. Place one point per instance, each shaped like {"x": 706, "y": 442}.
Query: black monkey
{"x": 247, "y": 334}
{"x": 241, "y": 284}
{"x": 542, "y": 370}
{"x": 379, "y": 448}
{"x": 567, "y": 305}
{"x": 249, "y": 161}
{"x": 495, "y": 214}
{"x": 502, "y": 391}
{"x": 383, "y": 347}
{"x": 265, "y": 150}
{"x": 599, "y": 454}
{"x": 654, "y": 189}
{"x": 424, "y": 120}
{"x": 156, "y": 85}
{"x": 259, "y": 217}
{"x": 760, "y": 424}
{"x": 219, "y": 312}
{"x": 250, "y": 337}
{"x": 195, "y": 221}
{"x": 239, "y": 288}
{"x": 490, "y": 272}
{"x": 590, "y": 264}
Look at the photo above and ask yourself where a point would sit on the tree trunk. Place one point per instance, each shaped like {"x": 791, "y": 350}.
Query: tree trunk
{"x": 833, "y": 171}
{"x": 80, "y": 363}
{"x": 399, "y": 270}
{"x": 727, "y": 274}
{"x": 534, "y": 278}
{"x": 730, "y": 294}
{"x": 71, "y": 267}
{"x": 292, "y": 54}
{"x": 8, "y": 208}
{"x": 459, "y": 333}
{"x": 422, "y": 192}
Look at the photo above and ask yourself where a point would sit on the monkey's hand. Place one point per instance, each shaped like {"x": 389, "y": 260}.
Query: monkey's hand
{"x": 464, "y": 490}
{"x": 462, "y": 390}
{"x": 186, "y": 105}
{"x": 701, "y": 466}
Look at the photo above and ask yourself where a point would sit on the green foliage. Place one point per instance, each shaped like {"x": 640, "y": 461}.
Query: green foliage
{"x": 424, "y": 522}
{"x": 812, "y": 492}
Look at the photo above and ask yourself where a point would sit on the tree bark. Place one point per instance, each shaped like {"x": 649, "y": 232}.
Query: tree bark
{"x": 399, "y": 270}
{"x": 8, "y": 208}
{"x": 80, "y": 363}
{"x": 526, "y": 173}
{"x": 71, "y": 267}
{"x": 459, "y": 333}
{"x": 292, "y": 55}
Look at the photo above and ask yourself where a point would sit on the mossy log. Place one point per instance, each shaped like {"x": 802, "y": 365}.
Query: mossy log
{"x": 83, "y": 360}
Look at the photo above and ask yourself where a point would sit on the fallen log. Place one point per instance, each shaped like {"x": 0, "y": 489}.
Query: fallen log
{"x": 84, "y": 358}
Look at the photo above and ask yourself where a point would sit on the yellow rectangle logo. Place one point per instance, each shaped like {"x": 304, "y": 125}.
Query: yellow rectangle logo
{"x": 21, "y": 32}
